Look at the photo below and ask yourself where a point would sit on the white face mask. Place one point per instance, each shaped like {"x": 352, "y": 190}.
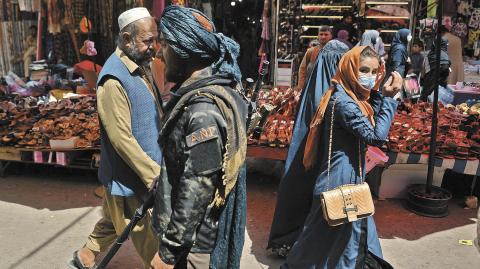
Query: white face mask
{"x": 368, "y": 82}
{"x": 409, "y": 38}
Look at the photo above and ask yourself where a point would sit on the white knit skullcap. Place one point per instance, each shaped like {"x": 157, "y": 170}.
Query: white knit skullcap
{"x": 132, "y": 15}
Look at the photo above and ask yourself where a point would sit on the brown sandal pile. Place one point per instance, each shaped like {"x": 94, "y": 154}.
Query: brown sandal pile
{"x": 278, "y": 128}
{"x": 33, "y": 126}
{"x": 458, "y": 134}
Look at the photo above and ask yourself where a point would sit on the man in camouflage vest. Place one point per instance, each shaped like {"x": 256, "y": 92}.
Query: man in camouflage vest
{"x": 199, "y": 212}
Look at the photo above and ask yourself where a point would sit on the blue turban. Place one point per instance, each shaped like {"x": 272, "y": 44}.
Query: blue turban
{"x": 188, "y": 38}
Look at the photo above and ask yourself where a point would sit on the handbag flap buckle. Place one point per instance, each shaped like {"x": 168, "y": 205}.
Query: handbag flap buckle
{"x": 351, "y": 213}
{"x": 350, "y": 209}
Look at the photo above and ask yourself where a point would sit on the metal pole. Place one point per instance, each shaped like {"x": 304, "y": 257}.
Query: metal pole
{"x": 275, "y": 53}
{"x": 433, "y": 137}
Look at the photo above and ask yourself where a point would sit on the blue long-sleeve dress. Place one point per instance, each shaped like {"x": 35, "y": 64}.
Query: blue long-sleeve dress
{"x": 354, "y": 244}
{"x": 294, "y": 200}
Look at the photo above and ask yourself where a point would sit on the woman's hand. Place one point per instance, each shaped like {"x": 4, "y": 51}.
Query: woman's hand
{"x": 393, "y": 85}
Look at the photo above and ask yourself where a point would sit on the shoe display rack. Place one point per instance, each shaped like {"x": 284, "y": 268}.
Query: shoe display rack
{"x": 297, "y": 23}
{"x": 286, "y": 42}
{"x": 388, "y": 16}
{"x": 320, "y": 13}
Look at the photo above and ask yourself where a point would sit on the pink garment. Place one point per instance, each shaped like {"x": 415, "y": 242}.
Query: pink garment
{"x": 266, "y": 28}
{"x": 157, "y": 8}
{"x": 88, "y": 48}
{"x": 343, "y": 35}
{"x": 266, "y": 20}
{"x": 260, "y": 67}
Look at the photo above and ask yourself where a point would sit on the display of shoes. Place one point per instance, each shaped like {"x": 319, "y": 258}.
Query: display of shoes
{"x": 458, "y": 133}
{"x": 277, "y": 129}
{"x": 31, "y": 124}
{"x": 288, "y": 28}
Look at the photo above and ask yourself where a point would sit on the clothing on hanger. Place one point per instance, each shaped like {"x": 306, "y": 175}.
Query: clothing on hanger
{"x": 474, "y": 22}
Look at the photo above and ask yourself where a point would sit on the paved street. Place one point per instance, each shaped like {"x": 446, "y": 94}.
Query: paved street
{"x": 46, "y": 216}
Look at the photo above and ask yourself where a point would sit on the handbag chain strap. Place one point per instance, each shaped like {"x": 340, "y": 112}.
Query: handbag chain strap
{"x": 360, "y": 170}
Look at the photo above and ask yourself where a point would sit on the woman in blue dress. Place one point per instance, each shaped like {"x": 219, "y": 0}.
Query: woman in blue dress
{"x": 361, "y": 116}
{"x": 294, "y": 193}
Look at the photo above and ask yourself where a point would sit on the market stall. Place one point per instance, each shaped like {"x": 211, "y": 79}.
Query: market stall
{"x": 47, "y": 78}
{"x": 457, "y": 145}
{"x": 62, "y": 133}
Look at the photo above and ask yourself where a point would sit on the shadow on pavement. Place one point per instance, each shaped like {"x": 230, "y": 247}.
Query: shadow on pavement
{"x": 394, "y": 221}
{"x": 261, "y": 193}
{"x": 56, "y": 189}
{"x": 50, "y": 240}
{"x": 391, "y": 217}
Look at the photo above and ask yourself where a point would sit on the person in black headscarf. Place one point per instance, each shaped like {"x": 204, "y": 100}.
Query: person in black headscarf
{"x": 200, "y": 207}
{"x": 444, "y": 71}
{"x": 398, "y": 56}
{"x": 296, "y": 187}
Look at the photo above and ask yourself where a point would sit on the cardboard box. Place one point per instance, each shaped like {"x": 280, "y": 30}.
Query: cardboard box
{"x": 10, "y": 154}
{"x": 63, "y": 144}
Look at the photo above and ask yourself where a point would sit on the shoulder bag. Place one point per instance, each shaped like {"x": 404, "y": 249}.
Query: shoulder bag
{"x": 345, "y": 203}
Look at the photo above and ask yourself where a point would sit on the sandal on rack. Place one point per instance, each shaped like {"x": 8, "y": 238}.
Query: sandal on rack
{"x": 282, "y": 136}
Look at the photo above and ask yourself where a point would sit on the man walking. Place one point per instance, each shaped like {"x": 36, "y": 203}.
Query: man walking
{"x": 129, "y": 112}
{"x": 199, "y": 212}
{"x": 310, "y": 57}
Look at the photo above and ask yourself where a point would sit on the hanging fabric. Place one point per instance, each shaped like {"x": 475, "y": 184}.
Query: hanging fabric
{"x": 431, "y": 8}
{"x": 464, "y": 8}
{"x": 54, "y": 17}
{"x": 207, "y": 8}
{"x": 36, "y": 5}
{"x": 13, "y": 37}
{"x": 179, "y": 2}
{"x": 25, "y": 5}
{"x": 265, "y": 29}
{"x": 474, "y": 23}
{"x": 157, "y": 8}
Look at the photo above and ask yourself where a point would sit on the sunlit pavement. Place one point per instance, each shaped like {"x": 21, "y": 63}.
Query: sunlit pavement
{"x": 46, "y": 216}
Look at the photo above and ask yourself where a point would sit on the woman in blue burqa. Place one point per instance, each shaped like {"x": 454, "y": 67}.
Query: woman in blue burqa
{"x": 351, "y": 115}
{"x": 294, "y": 195}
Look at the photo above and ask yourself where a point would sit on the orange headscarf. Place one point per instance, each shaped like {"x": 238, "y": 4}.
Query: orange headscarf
{"x": 347, "y": 77}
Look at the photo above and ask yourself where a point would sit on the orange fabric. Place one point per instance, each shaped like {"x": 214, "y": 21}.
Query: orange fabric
{"x": 85, "y": 25}
{"x": 86, "y": 65}
{"x": 158, "y": 73}
{"x": 309, "y": 57}
{"x": 203, "y": 22}
{"x": 314, "y": 54}
{"x": 347, "y": 77}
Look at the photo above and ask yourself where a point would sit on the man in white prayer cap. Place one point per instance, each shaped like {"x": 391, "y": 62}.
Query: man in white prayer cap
{"x": 129, "y": 111}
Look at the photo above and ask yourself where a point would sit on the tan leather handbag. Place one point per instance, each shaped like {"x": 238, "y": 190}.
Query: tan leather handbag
{"x": 345, "y": 203}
